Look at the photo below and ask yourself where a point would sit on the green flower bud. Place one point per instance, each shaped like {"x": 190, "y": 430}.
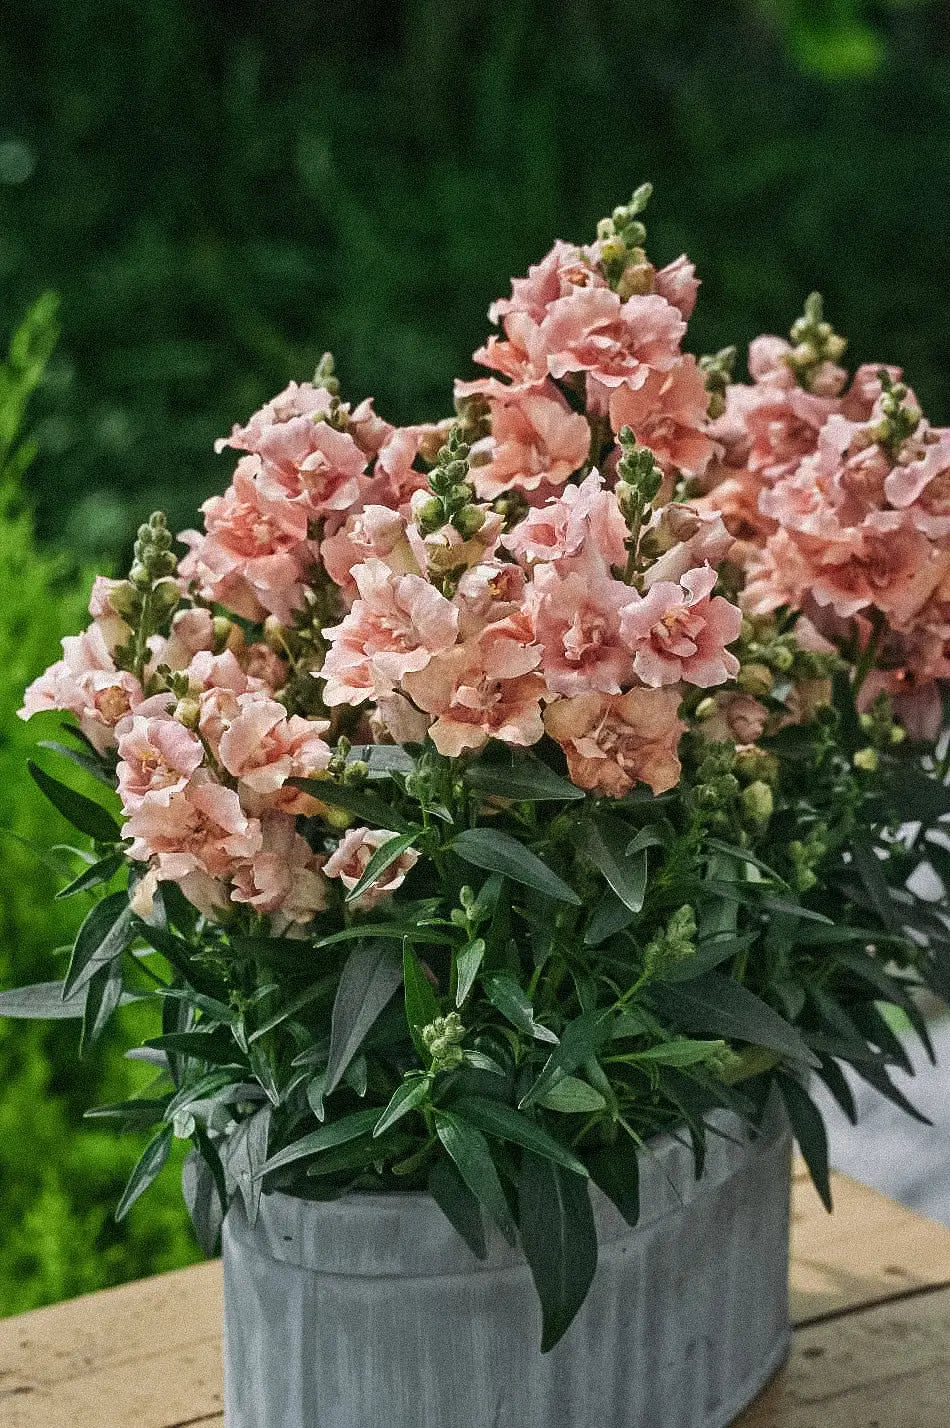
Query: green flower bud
{"x": 758, "y": 803}
{"x": 867, "y": 759}
{"x": 755, "y": 679}
{"x": 188, "y": 712}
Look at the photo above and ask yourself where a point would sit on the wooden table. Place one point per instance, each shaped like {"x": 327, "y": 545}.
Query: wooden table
{"x": 870, "y": 1297}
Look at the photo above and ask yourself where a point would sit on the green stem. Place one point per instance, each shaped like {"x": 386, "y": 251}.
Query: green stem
{"x": 869, "y": 653}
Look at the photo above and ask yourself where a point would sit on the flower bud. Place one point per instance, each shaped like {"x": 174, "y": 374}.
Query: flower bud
{"x": 758, "y": 803}
{"x": 165, "y": 596}
{"x": 469, "y": 521}
{"x": 867, "y": 759}
{"x": 755, "y": 679}
{"x": 188, "y": 712}
{"x": 125, "y": 600}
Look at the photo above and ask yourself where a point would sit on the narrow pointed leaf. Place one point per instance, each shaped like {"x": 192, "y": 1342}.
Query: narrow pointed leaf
{"x": 99, "y": 873}
{"x": 604, "y": 843}
{"x": 104, "y": 935}
{"x": 498, "y": 1119}
{"x": 499, "y": 852}
{"x": 406, "y": 1097}
{"x": 422, "y": 1004}
{"x": 382, "y": 859}
{"x": 523, "y": 780}
{"x": 369, "y": 978}
{"x": 809, "y": 1131}
{"x": 351, "y": 1127}
{"x": 41, "y": 1002}
{"x": 507, "y": 995}
{"x": 572, "y": 1096}
{"x": 459, "y": 1206}
{"x": 359, "y": 801}
{"x": 713, "y": 1004}
{"x": 103, "y": 994}
{"x": 150, "y": 1165}
{"x": 467, "y": 963}
{"x": 469, "y": 1150}
{"x": 82, "y": 812}
{"x": 559, "y": 1241}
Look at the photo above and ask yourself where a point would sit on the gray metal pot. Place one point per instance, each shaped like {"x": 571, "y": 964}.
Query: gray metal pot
{"x": 371, "y": 1312}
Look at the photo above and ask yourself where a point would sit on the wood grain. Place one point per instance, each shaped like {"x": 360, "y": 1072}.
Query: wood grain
{"x": 870, "y": 1289}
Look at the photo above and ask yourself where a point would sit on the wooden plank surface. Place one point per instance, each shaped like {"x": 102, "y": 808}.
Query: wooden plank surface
{"x": 870, "y": 1289}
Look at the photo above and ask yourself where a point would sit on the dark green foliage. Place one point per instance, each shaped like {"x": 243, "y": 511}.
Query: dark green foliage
{"x": 221, "y": 193}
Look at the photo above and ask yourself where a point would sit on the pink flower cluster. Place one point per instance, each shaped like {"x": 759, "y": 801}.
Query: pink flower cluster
{"x": 836, "y": 520}
{"x": 528, "y": 598}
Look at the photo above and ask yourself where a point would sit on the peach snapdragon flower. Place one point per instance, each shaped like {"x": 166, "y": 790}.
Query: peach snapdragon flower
{"x": 349, "y": 859}
{"x": 680, "y": 632}
{"x": 613, "y": 742}
{"x": 395, "y": 627}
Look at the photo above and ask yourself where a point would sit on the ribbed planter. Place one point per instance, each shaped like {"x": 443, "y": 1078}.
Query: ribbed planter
{"x": 371, "y": 1312}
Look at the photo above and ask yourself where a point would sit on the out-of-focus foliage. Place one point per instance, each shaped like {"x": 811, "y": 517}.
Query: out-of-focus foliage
{"x": 221, "y": 192}
{"x": 58, "y": 1238}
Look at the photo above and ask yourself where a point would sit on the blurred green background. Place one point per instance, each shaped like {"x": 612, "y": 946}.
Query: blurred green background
{"x": 219, "y": 193}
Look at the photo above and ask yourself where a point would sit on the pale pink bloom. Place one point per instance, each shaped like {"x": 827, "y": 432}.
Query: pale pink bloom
{"x": 486, "y": 688}
{"x": 254, "y": 556}
{"x": 283, "y": 879}
{"x": 86, "y": 683}
{"x": 678, "y": 283}
{"x": 395, "y": 627}
{"x": 262, "y": 748}
{"x": 368, "y": 429}
{"x": 375, "y": 531}
{"x": 396, "y": 477}
{"x": 219, "y": 706}
{"x": 680, "y": 632}
{"x": 298, "y": 399}
{"x": 312, "y": 464}
{"x": 157, "y": 757}
{"x": 921, "y": 485}
{"x": 614, "y": 742}
{"x": 700, "y": 538}
{"x": 581, "y": 518}
{"x": 536, "y": 440}
{"x": 668, "y": 413}
{"x": 577, "y": 623}
{"x": 488, "y": 593}
{"x": 192, "y": 630}
{"x": 115, "y": 628}
{"x": 201, "y": 829}
{"x": 349, "y": 860}
{"x": 591, "y": 330}
{"x": 395, "y": 719}
{"x": 559, "y": 272}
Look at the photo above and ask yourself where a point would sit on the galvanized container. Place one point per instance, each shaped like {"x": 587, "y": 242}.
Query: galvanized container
{"x": 371, "y": 1312}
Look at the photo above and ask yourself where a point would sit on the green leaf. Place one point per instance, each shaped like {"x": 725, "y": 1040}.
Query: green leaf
{"x": 305, "y": 999}
{"x": 406, "y": 1097}
{"x": 680, "y": 1052}
{"x": 41, "y": 1002}
{"x": 148, "y": 1168}
{"x": 580, "y": 1041}
{"x": 351, "y": 1127}
{"x": 497, "y": 1119}
{"x": 137, "y": 1112}
{"x": 609, "y": 917}
{"x": 648, "y": 837}
{"x": 870, "y": 869}
{"x": 467, "y": 962}
{"x": 711, "y": 952}
{"x": 809, "y": 1130}
{"x": 244, "y": 1154}
{"x": 559, "y": 1241}
{"x": 90, "y": 763}
{"x": 99, "y": 873}
{"x": 523, "y": 780}
{"x": 359, "y": 1154}
{"x": 382, "y": 859}
{"x": 504, "y": 993}
{"x": 82, "y": 812}
{"x": 382, "y": 758}
{"x": 499, "y": 852}
{"x": 571, "y": 1095}
{"x": 615, "y": 1170}
{"x": 422, "y": 1004}
{"x": 368, "y": 807}
{"x": 104, "y": 935}
{"x": 469, "y": 1150}
{"x": 794, "y": 909}
{"x": 369, "y": 978}
{"x": 201, "y": 1045}
{"x": 458, "y": 1205}
{"x": 388, "y": 931}
{"x": 480, "y": 1062}
{"x": 716, "y": 1004}
{"x": 103, "y": 994}
{"x": 604, "y": 843}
